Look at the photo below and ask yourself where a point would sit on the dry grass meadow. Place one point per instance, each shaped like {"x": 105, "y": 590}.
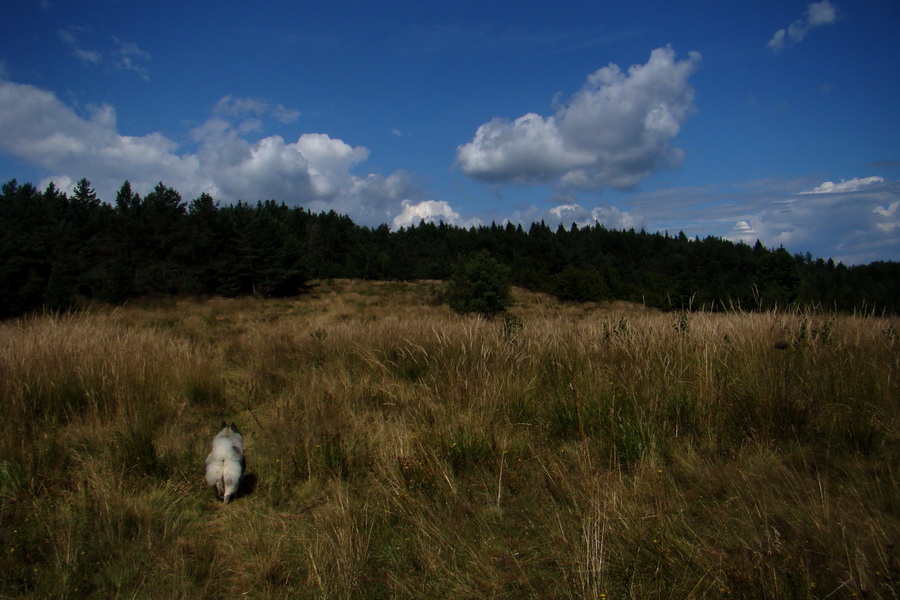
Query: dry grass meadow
{"x": 397, "y": 450}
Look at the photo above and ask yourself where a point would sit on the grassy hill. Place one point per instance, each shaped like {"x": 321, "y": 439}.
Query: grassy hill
{"x": 397, "y": 450}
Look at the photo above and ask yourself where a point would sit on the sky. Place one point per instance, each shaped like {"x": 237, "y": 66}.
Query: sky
{"x": 770, "y": 120}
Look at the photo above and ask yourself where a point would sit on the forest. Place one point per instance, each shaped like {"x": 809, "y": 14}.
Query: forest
{"x": 59, "y": 250}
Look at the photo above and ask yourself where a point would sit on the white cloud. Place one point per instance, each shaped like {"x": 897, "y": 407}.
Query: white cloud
{"x": 613, "y": 218}
{"x": 571, "y": 212}
{"x": 853, "y": 221}
{"x": 529, "y": 150}
{"x": 891, "y": 214}
{"x": 816, "y": 15}
{"x": 230, "y": 106}
{"x": 610, "y": 217}
{"x": 430, "y": 211}
{"x": 855, "y": 227}
{"x": 124, "y": 56}
{"x": 852, "y": 185}
{"x": 313, "y": 171}
{"x": 375, "y": 199}
{"x": 819, "y": 13}
{"x": 128, "y": 56}
{"x": 42, "y": 130}
{"x": 887, "y": 210}
{"x": 568, "y": 212}
{"x": 613, "y": 133}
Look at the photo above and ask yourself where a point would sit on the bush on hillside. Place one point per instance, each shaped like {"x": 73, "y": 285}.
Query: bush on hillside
{"x": 479, "y": 284}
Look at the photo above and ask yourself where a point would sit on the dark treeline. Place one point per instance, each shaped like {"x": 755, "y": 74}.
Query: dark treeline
{"x": 58, "y": 249}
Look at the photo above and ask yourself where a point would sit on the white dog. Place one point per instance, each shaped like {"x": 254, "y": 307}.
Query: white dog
{"x": 225, "y": 464}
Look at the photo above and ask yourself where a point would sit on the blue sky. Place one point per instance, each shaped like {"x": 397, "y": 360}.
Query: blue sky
{"x": 770, "y": 120}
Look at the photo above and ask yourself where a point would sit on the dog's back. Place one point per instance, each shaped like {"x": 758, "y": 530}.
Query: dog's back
{"x": 225, "y": 464}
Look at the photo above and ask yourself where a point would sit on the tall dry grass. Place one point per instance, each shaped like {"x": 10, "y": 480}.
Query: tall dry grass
{"x": 398, "y": 450}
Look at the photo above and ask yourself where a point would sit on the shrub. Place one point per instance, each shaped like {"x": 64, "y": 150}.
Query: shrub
{"x": 479, "y": 284}
{"x": 579, "y": 285}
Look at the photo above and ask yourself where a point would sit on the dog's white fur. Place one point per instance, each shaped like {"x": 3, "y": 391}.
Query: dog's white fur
{"x": 225, "y": 464}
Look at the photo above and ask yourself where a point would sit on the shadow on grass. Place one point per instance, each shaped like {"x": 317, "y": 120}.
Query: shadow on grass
{"x": 247, "y": 486}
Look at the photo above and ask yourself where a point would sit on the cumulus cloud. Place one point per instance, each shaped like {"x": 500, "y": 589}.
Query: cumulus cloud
{"x": 375, "y": 199}
{"x": 816, "y": 15}
{"x": 610, "y": 217}
{"x": 571, "y": 212}
{"x": 314, "y": 171}
{"x": 613, "y": 133}
{"x": 568, "y": 212}
{"x": 613, "y": 218}
{"x": 430, "y": 211}
{"x": 42, "y": 130}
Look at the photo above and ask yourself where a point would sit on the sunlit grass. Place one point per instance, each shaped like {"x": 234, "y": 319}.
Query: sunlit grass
{"x": 396, "y": 449}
